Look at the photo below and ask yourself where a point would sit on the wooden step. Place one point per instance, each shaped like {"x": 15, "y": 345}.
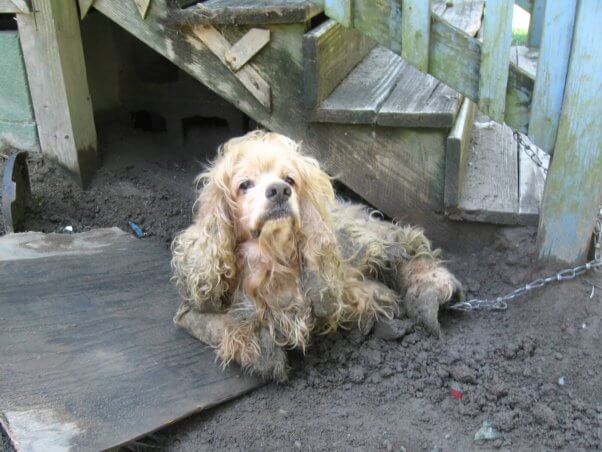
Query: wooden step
{"x": 489, "y": 177}
{"x": 244, "y": 12}
{"x": 384, "y": 89}
{"x": 466, "y": 15}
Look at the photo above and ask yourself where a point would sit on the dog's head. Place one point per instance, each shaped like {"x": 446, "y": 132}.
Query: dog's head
{"x": 261, "y": 190}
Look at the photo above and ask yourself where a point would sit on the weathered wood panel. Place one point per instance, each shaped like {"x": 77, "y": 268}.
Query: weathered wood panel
{"x": 339, "y": 10}
{"x": 456, "y": 154}
{"x": 90, "y": 356}
{"x": 243, "y": 12}
{"x": 553, "y": 64}
{"x": 536, "y": 22}
{"x": 359, "y": 97}
{"x": 246, "y": 47}
{"x": 489, "y": 189}
{"x": 419, "y": 100}
{"x": 495, "y": 54}
{"x": 572, "y": 194}
{"x": 54, "y": 59}
{"x": 330, "y": 52}
{"x": 531, "y": 180}
{"x": 467, "y": 15}
{"x": 415, "y": 32}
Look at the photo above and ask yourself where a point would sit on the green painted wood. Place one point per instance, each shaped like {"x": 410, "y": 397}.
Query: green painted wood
{"x": 56, "y": 72}
{"x": 537, "y": 21}
{"x": 415, "y": 32}
{"x": 495, "y": 53}
{"x": 339, "y": 10}
{"x": 572, "y": 193}
{"x": 454, "y": 56}
{"x": 552, "y": 67}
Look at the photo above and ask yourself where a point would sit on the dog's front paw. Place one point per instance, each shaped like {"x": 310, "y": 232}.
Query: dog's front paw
{"x": 427, "y": 290}
{"x": 271, "y": 362}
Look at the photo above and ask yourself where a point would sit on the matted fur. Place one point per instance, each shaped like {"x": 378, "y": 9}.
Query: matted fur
{"x": 266, "y": 284}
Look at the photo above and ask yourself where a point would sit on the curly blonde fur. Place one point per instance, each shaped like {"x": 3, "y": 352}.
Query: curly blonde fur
{"x": 272, "y": 256}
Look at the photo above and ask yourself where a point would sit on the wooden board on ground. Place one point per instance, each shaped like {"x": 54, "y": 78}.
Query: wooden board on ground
{"x": 419, "y": 100}
{"x": 489, "y": 189}
{"x": 90, "y": 356}
{"x": 531, "y": 180}
{"x": 243, "y": 12}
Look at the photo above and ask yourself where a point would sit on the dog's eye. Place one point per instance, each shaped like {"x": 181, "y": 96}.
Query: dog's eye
{"x": 245, "y": 185}
{"x": 289, "y": 180}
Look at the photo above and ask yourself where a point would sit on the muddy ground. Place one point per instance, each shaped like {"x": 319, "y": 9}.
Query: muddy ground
{"x": 533, "y": 371}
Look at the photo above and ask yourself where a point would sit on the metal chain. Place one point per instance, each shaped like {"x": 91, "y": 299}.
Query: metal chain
{"x": 530, "y": 150}
{"x": 500, "y": 303}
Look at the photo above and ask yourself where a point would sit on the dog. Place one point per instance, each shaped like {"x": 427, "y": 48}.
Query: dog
{"x": 273, "y": 257}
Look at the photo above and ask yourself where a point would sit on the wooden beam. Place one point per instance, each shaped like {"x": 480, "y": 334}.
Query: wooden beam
{"x": 339, "y": 10}
{"x": 537, "y": 21}
{"x": 84, "y": 7}
{"x": 14, "y": 7}
{"x": 495, "y": 53}
{"x": 142, "y": 6}
{"x": 552, "y": 67}
{"x": 527, "y": 5}
{"x": 415, "y": 32}
{"x": 247, "y": 47}
{"x": 54, "y": 59}
{"x": 573, "y": 191}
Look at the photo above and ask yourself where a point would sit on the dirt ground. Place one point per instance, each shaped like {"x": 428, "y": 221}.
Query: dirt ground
{"x": 533, "y": 371}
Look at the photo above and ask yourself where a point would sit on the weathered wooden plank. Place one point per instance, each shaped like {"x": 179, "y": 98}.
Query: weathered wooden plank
{"x": 359, "y": 97}
{"x": 553, "y": 63}
{"x": 246, "y": 47}
{"x": 330, "y": 52}
{"x": 415, "y": 32}
{"x": 22, "y": 6}
{"x": 243, "y": 12}
{"x": 456, "y": 153}
{"x": 536, "y": 22}
{"x": 495, "y": 53}
{"x": 525, "y": 58}
{"x": 454, "y": 56}
{"x": 467, "y": 15}
{"x": 84, "y": 7}
{"x": 54, "y": 59}
{"x": 247, "y": 75}
{"x": 419, "y": 100}
{"x": 531, "y": 179}
{"x": 572, "y": 194}
{"x": 90, "y": 356}
{"x": 142, "y": 6}
{"x": 527, "y": 5}
{"x": 339, "y": 10}
{"x": 8, "y": 7}
{"x": 488, "y": 191}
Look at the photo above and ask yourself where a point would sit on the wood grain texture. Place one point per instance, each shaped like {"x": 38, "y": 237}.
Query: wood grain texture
{"x": 91, "y": 357}
{"x": 467, "y": 15}
{"x": 572, "y": 194}
{"x": 415, "y": 32}
{"x": 246, "y": 47}
{"x": 359, "y": 97}
{"x": 495, "y": 53}
{"x": 243, "y": 12}
{"x": 488, "y": 191}
{"x": 330, "y": 52}
{"x": 247, "y": 75}
{"x": 419, "y": 100}
{"x": 456, "y": 154}
{"x": 56, "y": 71}
{"x": 536, "y": 22}
{"x": 454, "y": 56}
{"x": 553, "y": 64}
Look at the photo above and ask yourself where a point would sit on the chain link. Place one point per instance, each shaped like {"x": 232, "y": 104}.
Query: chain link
{"x": 529, "y": 149}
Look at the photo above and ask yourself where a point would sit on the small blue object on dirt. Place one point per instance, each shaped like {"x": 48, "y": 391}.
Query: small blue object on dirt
{"x": 487, "y": 432}
{"x": 137, "y": 230}
{"x": 15, "y": 191}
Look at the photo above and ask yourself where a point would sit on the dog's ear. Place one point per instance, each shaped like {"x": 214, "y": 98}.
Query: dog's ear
{"x": 319, "y": 245}
{"x": 204, "y": 261}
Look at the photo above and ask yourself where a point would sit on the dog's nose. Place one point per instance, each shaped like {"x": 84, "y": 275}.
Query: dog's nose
{"x": 278, "y": 192}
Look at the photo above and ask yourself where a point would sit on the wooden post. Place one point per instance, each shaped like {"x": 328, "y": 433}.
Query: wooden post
{"x": 415, "y": 32}
{"x": 339, "y": 10}
{"x": 536, "y": 23}
{"x": 495, "y": 53}
{"x": 552, "y": 67}
{"x": 54, "y": 59}
{"x": 573, "y": 187}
